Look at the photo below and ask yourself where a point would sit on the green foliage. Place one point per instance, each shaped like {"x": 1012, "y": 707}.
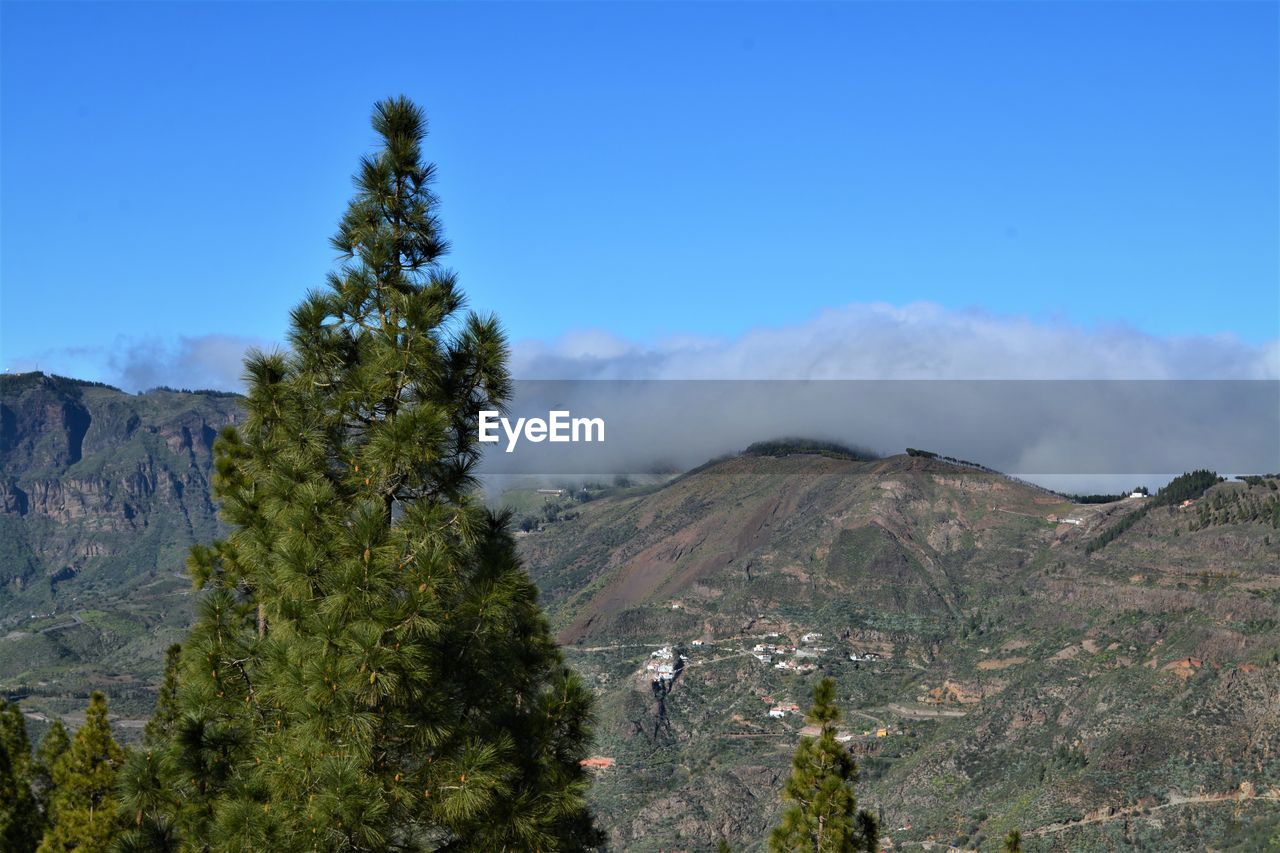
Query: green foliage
{"x": 816, "y": 447}
{"x": 84, "y": 812}
{"x": 924, "y": 454}
{"x": 52, "y": 747}
{"x": 160, "y": 727}
{"x": 369, "y": 669}
{"x": 20, "y": 818}
{"x": 15, "y": 383}
{"x": 823, "y": 814}
{"x": 1185, "y": 487}
{"x": 1257, "y": 504}
{"x": 1012, "y": 842}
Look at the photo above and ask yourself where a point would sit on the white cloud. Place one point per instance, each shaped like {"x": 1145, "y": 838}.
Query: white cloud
{"x": 916, "y": 341}
{"x": 200, "y": 362}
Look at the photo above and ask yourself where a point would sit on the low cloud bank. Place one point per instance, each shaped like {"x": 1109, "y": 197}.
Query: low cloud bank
{"x": 1083, "y": 437}
{"x": 916, "y": 341}
{"x": 857, "y": 342}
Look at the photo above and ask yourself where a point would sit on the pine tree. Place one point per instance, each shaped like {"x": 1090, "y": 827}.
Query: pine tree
{"x": 53, "y": 746}
{"x": 83, "y": 809}
{"x": 160, "y": 727}
{"x": 145, "y": 785}
{"x": 369, "y": 669}
{"x": 20, "y": 823}
{"x": 822, "y": 814}
{"x": 1012, "y": 842}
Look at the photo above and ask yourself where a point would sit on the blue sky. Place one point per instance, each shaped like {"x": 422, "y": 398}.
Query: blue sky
{"x": 172, "y": 171}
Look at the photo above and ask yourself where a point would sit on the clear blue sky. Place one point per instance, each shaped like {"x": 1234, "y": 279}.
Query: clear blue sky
{"x": 650, "y": 170}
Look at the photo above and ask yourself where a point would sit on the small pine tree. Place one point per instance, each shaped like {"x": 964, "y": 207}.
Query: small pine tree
{"x": 1012, "y": 842}
{"x": 822, "y": 815}
{"x": 83, "y": 809}
{"x": 13, "y": 737}
{"x": 53, "y": 746}
{"x": 20, "y": 819}
{"x": 160, "y": 726}
{"x": 369, "y": 669}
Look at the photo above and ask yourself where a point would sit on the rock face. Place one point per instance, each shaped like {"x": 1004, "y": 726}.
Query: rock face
{"x": 89, "y": 473}
{"x": 101, "y": 495}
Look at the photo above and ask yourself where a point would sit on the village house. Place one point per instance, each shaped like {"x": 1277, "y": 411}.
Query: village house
{"x": 793, "y": 666}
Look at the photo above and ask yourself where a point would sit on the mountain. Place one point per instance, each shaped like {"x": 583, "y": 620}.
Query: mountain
{"x": 102, "y": 493}
{"x": 1098, "y": 676}
{"x": 1009, "y": 675}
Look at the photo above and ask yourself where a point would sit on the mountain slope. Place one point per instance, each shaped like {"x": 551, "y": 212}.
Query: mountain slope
{"x": 1020, "y": 681}
{"x": 102, "y": 494}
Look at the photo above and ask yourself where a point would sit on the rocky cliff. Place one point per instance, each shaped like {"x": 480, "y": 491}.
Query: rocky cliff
{"x": 101, "y": 495}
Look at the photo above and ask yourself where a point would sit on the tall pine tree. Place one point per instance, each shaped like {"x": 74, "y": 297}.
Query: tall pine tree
{"x": 370, "y": 669}
{"x": 822, "y": 813}
{"x": 84, "y": 812}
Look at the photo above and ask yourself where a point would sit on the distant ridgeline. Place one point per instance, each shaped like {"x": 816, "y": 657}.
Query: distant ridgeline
{"x": 978, "y": 466}
{"x": 814, "y": 447}
{"x": 1186, "y": 487}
